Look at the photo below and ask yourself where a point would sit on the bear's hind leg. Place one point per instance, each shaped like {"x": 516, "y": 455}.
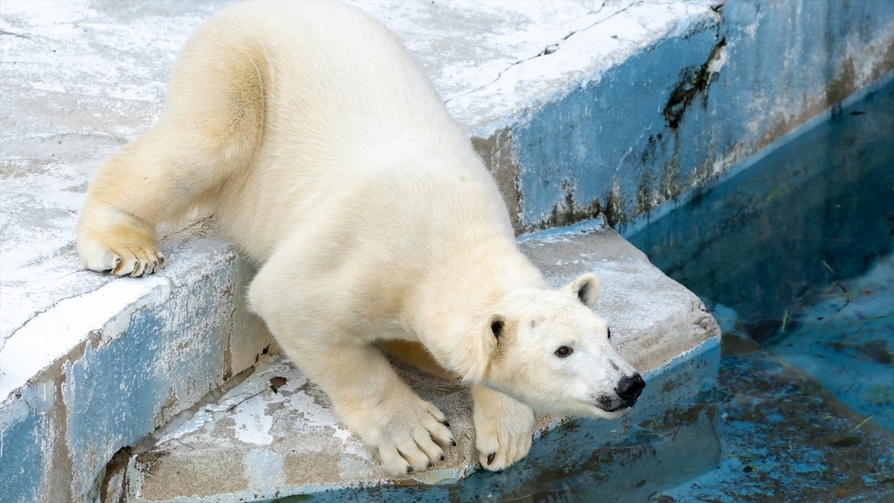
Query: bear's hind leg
{"x": 212, "y": 124}
{"x": 415, "y": 354}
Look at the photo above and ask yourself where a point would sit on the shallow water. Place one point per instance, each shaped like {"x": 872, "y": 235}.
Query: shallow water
{"x": 794, "y": 255}
{"x": 845, "y": 338}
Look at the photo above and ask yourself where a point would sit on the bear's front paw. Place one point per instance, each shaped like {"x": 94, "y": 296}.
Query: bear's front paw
{"x": 121, "y": 247}
{"x": 504, "y": 428}
{"x": 406, "y": 434}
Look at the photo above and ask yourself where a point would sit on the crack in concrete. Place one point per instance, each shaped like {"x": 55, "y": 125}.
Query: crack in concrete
{"x": 38, "y": 313}
{"x": 34, "y": 317}
{"x": 19, "y": 35}
{"x": 550, "y": 49}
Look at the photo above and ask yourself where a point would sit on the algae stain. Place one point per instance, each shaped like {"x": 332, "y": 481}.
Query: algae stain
{"x": 662, "y": 179}
{"x": 570, "y": 212}
{"x": 693, "y": 81}
{"x": 611, "y": 210}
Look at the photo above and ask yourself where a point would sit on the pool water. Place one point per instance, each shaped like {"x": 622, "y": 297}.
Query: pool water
{"x": 845, "y": 338}
{"x": 794, "y": 257}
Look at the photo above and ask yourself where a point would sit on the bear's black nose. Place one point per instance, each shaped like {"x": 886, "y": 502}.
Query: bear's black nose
{"x": 629, "y": 388}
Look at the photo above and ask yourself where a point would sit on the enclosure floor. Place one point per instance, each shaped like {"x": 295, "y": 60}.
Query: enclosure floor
{"x": 785, "y": 433}
{"x": 786, "y": 438}
{"x": 844, "y": 337}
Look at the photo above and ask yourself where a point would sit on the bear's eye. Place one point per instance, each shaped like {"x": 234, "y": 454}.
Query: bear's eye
{"x": 609, "y": 332}
{"x": 564, "y": 351}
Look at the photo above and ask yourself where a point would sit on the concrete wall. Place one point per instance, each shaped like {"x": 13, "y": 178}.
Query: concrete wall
{"x": 674, "y": 117}
{"x": 174, "y": 338}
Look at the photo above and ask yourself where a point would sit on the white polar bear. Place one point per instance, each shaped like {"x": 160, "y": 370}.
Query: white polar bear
{"x": 332, "y": 162}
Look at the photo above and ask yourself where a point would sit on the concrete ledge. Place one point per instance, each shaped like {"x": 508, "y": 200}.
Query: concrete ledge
{"x": 254, "y": 444}
{"x": 98, "y": 371}
{"x": 667, "y": 98}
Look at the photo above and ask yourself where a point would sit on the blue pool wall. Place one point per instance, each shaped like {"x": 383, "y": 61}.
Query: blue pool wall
{"x": 672, "y": 120}
{"x": 789, "y": 227}
{"x": 185, "y": 338}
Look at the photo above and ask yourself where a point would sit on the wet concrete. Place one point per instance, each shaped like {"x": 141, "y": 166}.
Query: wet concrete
{"x": 786, "y": 438}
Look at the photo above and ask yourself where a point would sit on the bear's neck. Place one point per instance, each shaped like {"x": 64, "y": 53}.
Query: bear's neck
{"x": 455, "y": 307}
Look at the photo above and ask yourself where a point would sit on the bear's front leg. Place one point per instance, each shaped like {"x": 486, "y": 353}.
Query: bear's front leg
{"x": 504, "y": 428}
{"x": 405, "y": 432}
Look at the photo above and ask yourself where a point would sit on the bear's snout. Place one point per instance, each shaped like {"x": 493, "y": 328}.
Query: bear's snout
{"x": 629, "y": 388}
{"x": 626, "y": 393}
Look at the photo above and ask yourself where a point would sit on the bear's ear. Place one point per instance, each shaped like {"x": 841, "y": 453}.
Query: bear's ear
{"x": 496, "y": 324}
{"x": 585, "y": 288}
{"x": 490, "y": 336}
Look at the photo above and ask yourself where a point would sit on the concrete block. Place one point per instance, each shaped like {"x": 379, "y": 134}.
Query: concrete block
{"x": 98, "y": 371}
{"x": 666, "y": 99}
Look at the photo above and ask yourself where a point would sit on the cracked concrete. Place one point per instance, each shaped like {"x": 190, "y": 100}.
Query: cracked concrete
{"x": 613, "y": 11}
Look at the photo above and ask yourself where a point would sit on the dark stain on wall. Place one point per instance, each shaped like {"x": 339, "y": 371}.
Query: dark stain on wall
{"x": 498, "y": 156}
{"x": 693, "y": 81}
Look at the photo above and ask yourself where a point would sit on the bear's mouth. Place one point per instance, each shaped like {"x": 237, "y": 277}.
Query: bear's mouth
{"x": 609, "y": 404}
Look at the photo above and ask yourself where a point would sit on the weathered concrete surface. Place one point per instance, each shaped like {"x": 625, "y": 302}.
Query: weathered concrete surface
{"x": 634, "y": 137}
{"x": 254, "y": 444}
{"x": 137, "y": 353}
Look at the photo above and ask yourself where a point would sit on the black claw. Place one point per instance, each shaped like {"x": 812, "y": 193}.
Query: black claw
{"x": 409, "y": 469}
{"x": 442, "y": 457}
{"x": 445, "y": 423}
{"x": 490, "y": 458}
{"x": 453, "y": 443}
{"x": 430, "y": 464}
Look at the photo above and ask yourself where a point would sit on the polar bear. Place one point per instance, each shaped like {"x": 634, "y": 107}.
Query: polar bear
{"x": 330, "y": 160}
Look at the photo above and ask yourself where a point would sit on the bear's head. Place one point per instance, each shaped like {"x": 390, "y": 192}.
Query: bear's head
{"x": 550, "y": 350}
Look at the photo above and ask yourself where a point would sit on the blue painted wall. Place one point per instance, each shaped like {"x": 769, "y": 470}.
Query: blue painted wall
{"x": 59, "y": 435}
{"x": 662, "y": 124}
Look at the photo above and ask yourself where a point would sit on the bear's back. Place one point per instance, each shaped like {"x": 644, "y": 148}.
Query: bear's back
{"x": 355, "y": 136}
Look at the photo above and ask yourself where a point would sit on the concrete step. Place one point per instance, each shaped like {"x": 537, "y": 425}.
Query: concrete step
{"x": 622, "y": 108}
{"x": 256, "y": 444}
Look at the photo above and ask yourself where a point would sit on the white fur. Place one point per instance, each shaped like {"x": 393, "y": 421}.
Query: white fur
{"x": 331, "y": 161}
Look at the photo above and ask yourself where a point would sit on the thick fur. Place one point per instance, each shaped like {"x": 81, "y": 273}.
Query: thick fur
{"x": 331, "y": 161}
